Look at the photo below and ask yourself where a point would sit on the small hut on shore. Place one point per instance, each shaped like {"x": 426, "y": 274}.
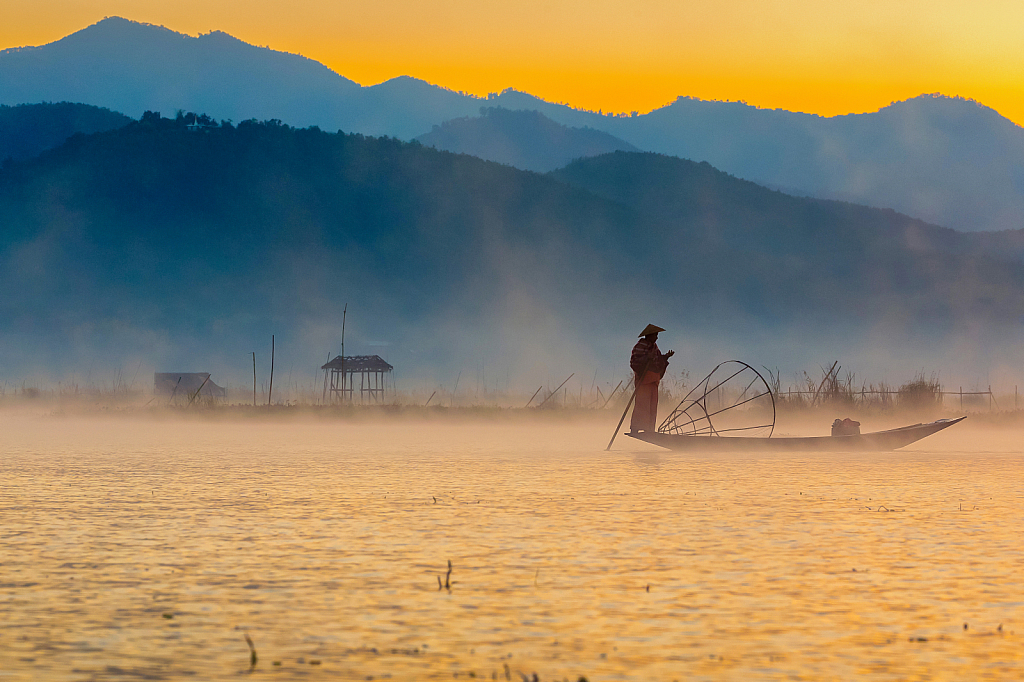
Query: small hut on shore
{"x": 186, "y": 384}
{"x": 340, "y": 374}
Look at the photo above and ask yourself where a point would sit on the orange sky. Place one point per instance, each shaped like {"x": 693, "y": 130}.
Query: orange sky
{"x": 802, "y": 55}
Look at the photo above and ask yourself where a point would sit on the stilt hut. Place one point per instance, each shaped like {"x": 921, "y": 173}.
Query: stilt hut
{"x": 340, "y": 374}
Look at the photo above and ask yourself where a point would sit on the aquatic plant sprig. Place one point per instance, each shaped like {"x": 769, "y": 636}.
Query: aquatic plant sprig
{"x": 447, "y": 579}
{"x": 253, "y": 658}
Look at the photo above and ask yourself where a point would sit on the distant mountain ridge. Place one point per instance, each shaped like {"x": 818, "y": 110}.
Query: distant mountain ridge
{"x": 946, "y": 160}
{"x": 525, "y": 139}
{"x": 132, "y": 67}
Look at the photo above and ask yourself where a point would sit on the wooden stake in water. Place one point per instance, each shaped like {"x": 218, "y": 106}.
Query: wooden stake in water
{"x": 271, "y": 391}
{"x": 344, "y": 317}
{"x": 254, "y": 378}
{"x": 611, "y": 395}
{"x": 174, "y": 391}
{"x": 194, "y": 395}
{"x": 323, "y": 398}
{"x": 451, "y": 403}
{"x": 555, "y": 392}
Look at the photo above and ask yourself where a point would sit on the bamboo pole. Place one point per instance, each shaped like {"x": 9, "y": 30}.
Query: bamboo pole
{"x": 451, "y": 403}
{"x": 193, "y": 397}
{"x": 555, "y": 392}
{"x": 172, "y": 392}
{"x": 270, "y": 393}
{"x": 344, "y": 318}
{"x": 137, "y": 368}
{"x": 814, "y": 400}
{"x": 612, "y": 395}
{"x": 533, "y": 396}
{"x": 323, "y": 398}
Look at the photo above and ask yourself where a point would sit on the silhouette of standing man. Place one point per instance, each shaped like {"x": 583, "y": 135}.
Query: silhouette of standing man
{"x": 649, "y": 365}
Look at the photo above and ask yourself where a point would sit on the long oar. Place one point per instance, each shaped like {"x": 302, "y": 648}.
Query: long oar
{"x": 629, "y": 404}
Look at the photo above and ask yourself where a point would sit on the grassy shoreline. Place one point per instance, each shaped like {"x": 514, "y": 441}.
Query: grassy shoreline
{"x": 818, "y": 417}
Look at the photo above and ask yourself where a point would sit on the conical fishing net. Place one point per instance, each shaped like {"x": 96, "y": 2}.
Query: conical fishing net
{"x": 734, "y": 400}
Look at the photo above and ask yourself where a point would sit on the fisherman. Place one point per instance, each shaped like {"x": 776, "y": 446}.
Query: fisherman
{"x": 649, "y": 365}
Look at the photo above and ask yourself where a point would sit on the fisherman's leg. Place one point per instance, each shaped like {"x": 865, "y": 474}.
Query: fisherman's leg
{"x": 652, "y": 410}
{"x": 648, "y": 388}
{"x": 645, "y": 417}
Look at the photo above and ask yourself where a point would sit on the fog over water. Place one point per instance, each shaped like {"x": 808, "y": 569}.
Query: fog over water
{"x": 513, "y": 357}
{"x": 149, "y": 546}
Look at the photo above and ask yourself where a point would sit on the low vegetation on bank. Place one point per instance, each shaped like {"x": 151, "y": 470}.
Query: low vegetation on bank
{"x": 828, "y": 391}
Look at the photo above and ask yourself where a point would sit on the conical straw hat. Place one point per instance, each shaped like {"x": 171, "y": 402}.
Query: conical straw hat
{"x": 651, "y": 329}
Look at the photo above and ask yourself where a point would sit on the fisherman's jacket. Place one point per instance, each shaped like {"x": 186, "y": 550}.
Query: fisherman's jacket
{"x": 643, "y": 351}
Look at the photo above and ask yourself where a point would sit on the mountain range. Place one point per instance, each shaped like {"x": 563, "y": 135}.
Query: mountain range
{"x": 945, "y": 160}
{"x": 162, "y": 241}
{"x": 525, "y": 139}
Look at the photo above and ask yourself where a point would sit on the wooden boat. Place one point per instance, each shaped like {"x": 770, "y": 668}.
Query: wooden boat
{"x": 892, "y": 439}
{"x": 733, "y": 409}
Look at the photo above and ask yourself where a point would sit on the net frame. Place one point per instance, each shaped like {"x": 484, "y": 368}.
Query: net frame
{"x": 692, "y": 417}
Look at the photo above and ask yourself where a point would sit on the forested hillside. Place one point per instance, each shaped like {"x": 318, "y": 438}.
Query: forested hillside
{"x": 28, "y": 129}
{"x": 158, "y": 232}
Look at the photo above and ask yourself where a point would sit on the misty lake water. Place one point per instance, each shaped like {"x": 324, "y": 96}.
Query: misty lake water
{"x": 148, "y": 549}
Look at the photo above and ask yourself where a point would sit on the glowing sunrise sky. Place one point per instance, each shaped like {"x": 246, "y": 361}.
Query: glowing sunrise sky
{"x": 802, "y": 55}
